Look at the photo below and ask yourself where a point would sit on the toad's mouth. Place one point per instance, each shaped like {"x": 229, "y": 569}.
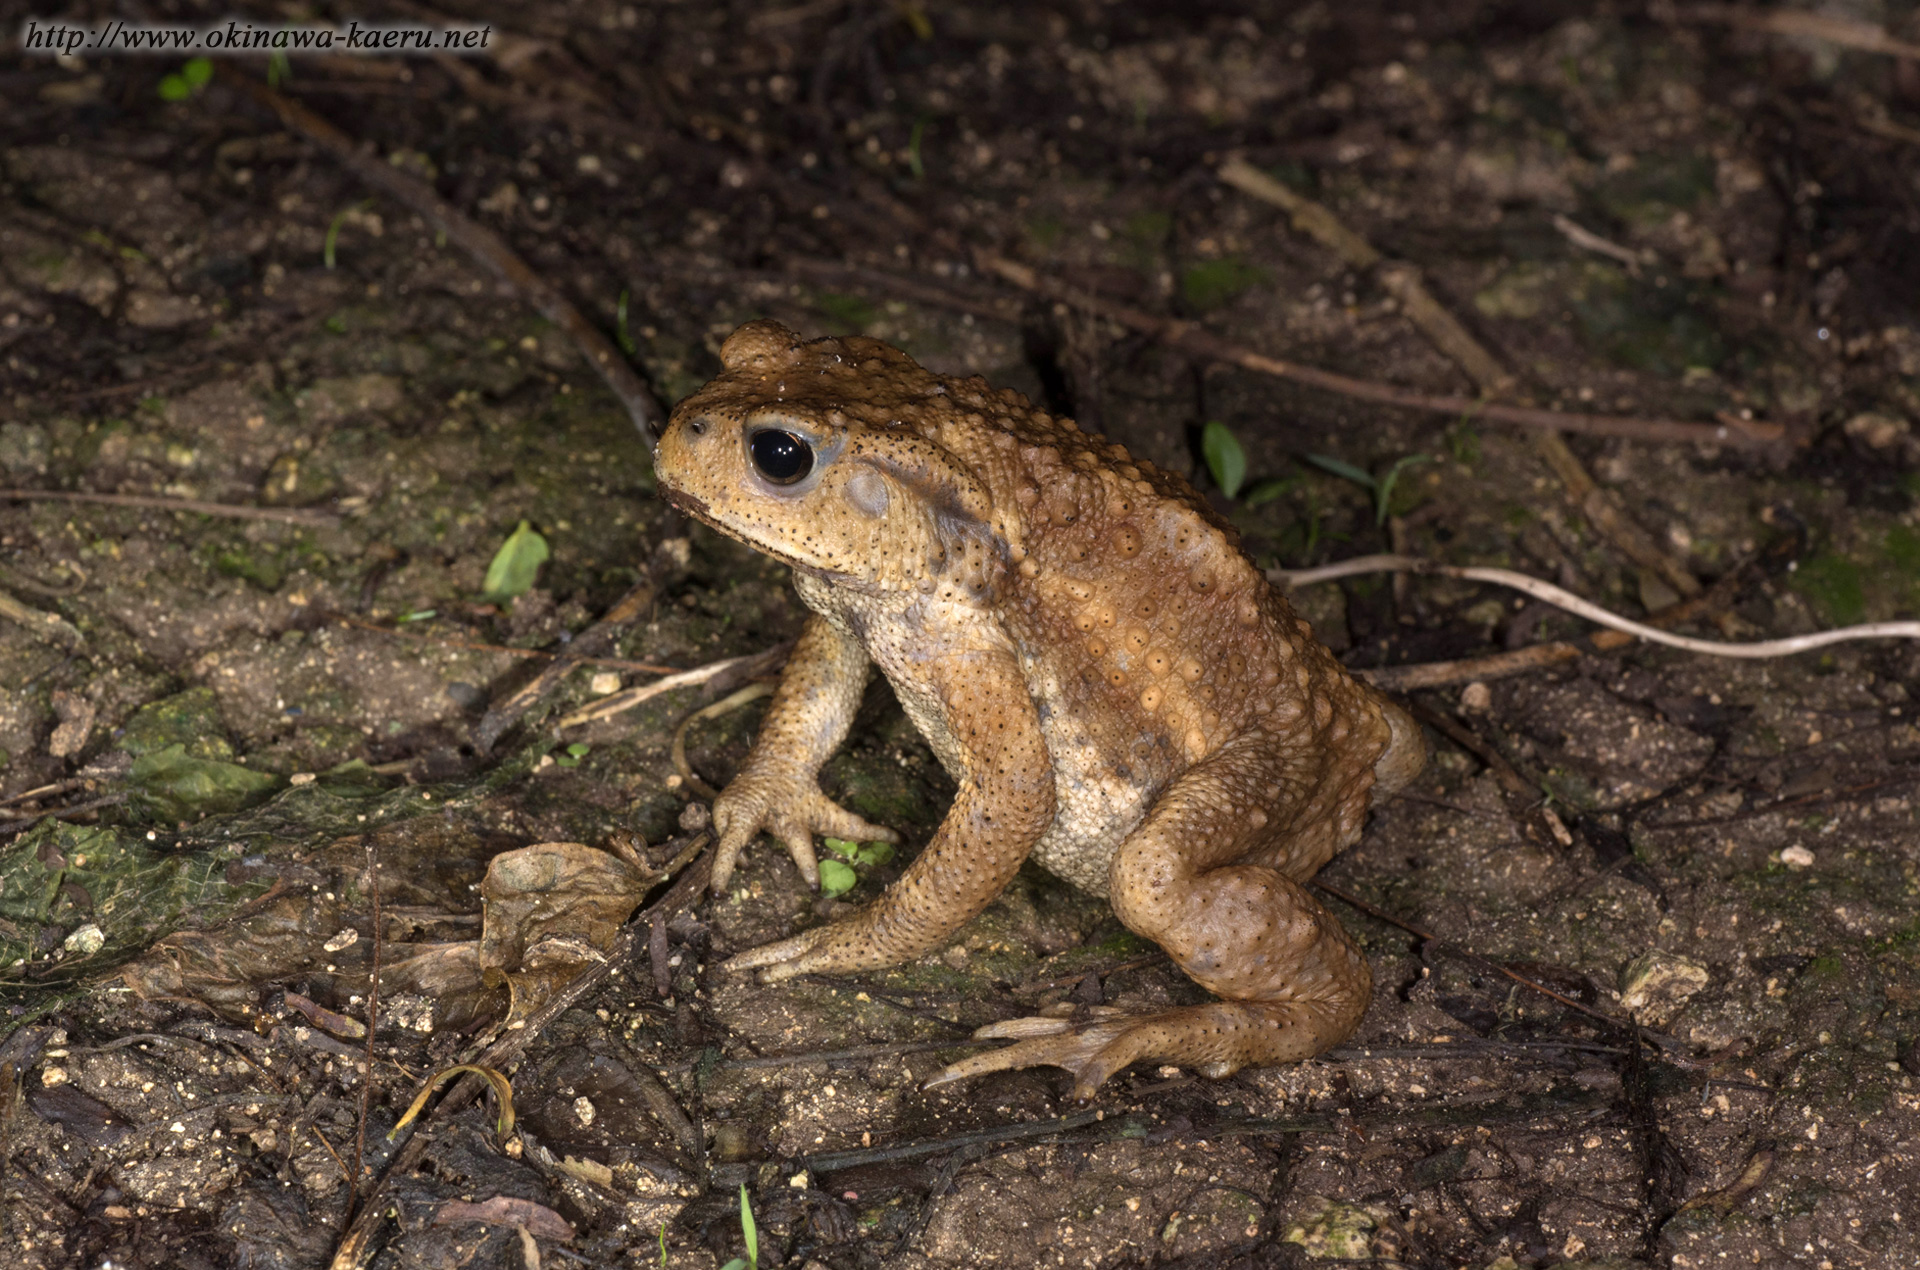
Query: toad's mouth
{"x": 696, "y": 507}
{"x": 692, "y": 506}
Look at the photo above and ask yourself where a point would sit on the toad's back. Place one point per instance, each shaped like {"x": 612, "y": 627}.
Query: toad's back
{"x": 1149, "y": 641}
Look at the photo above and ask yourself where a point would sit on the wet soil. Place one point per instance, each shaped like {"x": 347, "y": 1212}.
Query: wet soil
{"x": 242, "y": 759}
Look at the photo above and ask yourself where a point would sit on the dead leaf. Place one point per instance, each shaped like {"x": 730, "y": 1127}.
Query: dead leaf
{"x": 503, "y": 1210}
{"x": 551, "y": 910}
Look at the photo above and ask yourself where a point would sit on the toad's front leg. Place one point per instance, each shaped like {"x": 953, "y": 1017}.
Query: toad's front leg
{"x": 777, "y": 788}
{"x": 1004, "y": 805}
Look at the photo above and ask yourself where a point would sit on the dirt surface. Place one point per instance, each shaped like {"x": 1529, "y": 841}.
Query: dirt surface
{"x": 243, "y": 760}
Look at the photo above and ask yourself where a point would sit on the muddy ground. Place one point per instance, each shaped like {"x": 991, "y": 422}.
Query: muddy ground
{"x": 242, "y": 759}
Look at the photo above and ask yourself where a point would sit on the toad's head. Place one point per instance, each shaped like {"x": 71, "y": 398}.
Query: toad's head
{"x": 823, "y": 454}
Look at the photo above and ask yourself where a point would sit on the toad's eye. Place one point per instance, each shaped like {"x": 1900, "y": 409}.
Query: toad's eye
{"x": 782, "y": 457}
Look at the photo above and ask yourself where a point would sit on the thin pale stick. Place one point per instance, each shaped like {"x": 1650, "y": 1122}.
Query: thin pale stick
{"x": 1593, "y": 612}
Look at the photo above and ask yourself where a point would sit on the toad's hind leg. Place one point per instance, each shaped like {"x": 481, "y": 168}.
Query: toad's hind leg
{"x": 1291, "y": 980}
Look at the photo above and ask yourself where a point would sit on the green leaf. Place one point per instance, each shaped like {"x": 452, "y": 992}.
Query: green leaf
{"x": 516, "y": 564}
{"x": 914, "y": 161}
{"x": 836, "y": 879}
{"x": 186, "y": 81}
{"x": 748, "y": 1230}
{"x": 136, "y": 894}
{"x": 860, "y": 852}
{"x": 190, "y": 720}
{"x": 1358, "y": 476}
{"x": 849, "y": 311}
{"x": 1384, "y": 499}
{"x": 1212, "y": 283}
{"x": 1267, "y": 491}
{"x": 1225, "y": 459}
{"x": 332, "y": 239}
{"x": 620, "y": 331}
{"x": 178, "y": 785}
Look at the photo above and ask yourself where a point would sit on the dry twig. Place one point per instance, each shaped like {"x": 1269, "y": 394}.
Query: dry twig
{"x": 49, "y": 628}
{"x": 1442, "y": 674}
{"x": 479, "y": 242}
{"x": 61, "y": 813}
{"x": 751, "y": 666}
{"x": 1199, "y": 342}
{"x": 42, "y": 791}
{"x": 198, "y": 507}
{"x": 600, "y": 635}
{"x": 1584, "y": 238}
{"x": 1593, "y": 612}
{"x": 1602, "y": 509}
{"x": 727, "y": 704}
{"x": 1445, "y": 333}
{"x": 1798, "y": 23}
{"x": 482, "y": 646}
{"x": 1399, "y": 279}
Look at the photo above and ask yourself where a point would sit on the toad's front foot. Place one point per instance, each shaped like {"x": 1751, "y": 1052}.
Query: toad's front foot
{"x": 792, "y": 809}
{"x": 1216, "y": 1039}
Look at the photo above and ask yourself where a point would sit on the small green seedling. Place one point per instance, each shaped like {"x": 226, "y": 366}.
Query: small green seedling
{"x": 574, "y": 753}
{"x": 418, "y": 615}
{"x": 1266, "y": 491}
{"x": 1226, "y": 460}
{"x": 749, "y": 1235}
{"x": 620, "y": 331}
{"x": 849, "y": 311}
{"x": 914, "y": 162}
{"x": 332, "y": 239}
{"x": 187, "y": 81}
{"x": 837, "y": 878}
{"x": 1213, "y": 283}
{"x": 1381, "y": 487}
{"x": 516, "y": 564}
{"x": 916, "y": 17}
{"x": 862, "y": 853}
{"x": 1463, "y": 442}
{"x": 105, "y": 243}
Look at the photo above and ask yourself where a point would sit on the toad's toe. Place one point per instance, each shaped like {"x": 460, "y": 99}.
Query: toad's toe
{"x": 1092, "y": 1052}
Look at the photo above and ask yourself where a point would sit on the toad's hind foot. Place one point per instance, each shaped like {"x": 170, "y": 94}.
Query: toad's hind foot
{"x": 1216, "y": 1039}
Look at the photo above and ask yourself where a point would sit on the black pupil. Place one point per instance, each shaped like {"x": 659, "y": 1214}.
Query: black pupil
{"x": 781, "y": 457}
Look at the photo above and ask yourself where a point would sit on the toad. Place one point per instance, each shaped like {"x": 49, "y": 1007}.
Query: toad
{"x": 1116, "y": 689}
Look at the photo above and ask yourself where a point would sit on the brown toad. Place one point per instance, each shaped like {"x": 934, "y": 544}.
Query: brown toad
{"x": 1117, "y": 690}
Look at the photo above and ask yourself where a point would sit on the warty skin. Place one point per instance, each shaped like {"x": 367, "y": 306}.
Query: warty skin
{"x": 1116, "y": 689}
